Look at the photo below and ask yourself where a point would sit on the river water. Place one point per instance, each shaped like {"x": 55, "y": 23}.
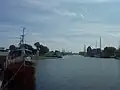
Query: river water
{"x": 78, "y": 73}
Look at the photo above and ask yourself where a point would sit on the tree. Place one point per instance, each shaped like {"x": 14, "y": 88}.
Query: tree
{"x": 29, "y": 47}
{"x": 37, "y": 45}
{"x": 34, "y": 51}
{"x": 46, "y": 49}
{"x": 42, "y": 49}
{"x": 12, "y": 48}
{"x": 81, "y": 53}
{"x": 109, "y": 51}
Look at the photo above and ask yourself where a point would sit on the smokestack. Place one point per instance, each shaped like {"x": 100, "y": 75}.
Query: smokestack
{"x": 100, "y": 43}
{"x": 96, "y": 44}
{"x": 84, "y": 49}
{"x": 119, "y": 45}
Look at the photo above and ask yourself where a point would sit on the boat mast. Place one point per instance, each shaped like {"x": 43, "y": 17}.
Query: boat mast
{"x": 22, "y": 42}
{"x": 23, "y": 35}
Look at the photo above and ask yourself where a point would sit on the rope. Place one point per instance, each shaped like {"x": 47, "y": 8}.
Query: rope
{"x": 12, "y": 77}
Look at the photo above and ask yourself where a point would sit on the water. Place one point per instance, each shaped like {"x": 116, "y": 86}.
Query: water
{"x": 78, "y": 73}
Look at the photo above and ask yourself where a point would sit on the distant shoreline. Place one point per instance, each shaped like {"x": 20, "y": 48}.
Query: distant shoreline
{"x": 116, "y": 58}
{"x": 44, "y": 57}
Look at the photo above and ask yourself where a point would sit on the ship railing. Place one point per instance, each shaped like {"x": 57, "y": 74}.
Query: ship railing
{"x": 11, "y": 61}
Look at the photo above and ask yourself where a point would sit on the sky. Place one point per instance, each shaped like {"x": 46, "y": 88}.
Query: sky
{"x": 61, "y": 24}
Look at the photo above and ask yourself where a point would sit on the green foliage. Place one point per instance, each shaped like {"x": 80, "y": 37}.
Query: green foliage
{"x": 109, "y": 51}
{"x": 37, "y": 45}
{"x": 82, "y": 53}
{"x": 12, "y": 47}
{"x": 29, "y": 49}
{"x": 42, "y": 49}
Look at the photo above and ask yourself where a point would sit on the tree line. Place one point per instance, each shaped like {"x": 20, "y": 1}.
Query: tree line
{"x": 39, "y": 47}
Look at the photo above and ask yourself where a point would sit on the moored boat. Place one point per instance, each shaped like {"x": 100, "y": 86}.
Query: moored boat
{"x": 19, "y": 74}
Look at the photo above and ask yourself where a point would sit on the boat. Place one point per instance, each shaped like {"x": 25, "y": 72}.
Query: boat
{"x": 19, "y": 73}
{"x": 19, "y": 69}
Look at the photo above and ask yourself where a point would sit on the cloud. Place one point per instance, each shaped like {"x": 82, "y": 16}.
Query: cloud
{"x": 36, "y": 34}
{"x": 69, "y": 14}
{"x": 60, "y": 24}
{"x": 65, "y": 13}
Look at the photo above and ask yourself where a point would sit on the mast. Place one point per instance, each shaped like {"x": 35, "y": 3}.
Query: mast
{"x": 23, "y": 35}
{"x": 22, "y": 42}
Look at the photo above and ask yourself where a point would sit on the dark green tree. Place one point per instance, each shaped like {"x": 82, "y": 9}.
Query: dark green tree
{"x": 42, "y": 49}
{"x": 12, "y": 48}
{"x": 109, "y": 51}
{"x": 30, "y": 48}
{"x": 37, "y": 45}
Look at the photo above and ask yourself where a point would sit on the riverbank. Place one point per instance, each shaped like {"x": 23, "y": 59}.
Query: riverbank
{"x": 44, "y": 57}
{"x": 116, "y": 58}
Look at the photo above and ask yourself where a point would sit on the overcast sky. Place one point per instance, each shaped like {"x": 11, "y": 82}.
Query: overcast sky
{"x": 61, "y": 24}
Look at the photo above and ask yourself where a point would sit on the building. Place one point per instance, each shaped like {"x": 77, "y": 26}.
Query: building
{"x": 96, "y": 52}
{"x": 89, "y": 51}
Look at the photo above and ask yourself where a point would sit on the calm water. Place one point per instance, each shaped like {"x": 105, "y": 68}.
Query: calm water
{"x": 78, "y": 73}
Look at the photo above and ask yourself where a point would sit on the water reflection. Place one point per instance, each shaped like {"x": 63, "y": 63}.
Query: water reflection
{"x": 118, "y": 74}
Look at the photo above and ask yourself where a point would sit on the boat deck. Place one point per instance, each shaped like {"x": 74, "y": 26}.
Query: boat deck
{"x": 24, "y": 79}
